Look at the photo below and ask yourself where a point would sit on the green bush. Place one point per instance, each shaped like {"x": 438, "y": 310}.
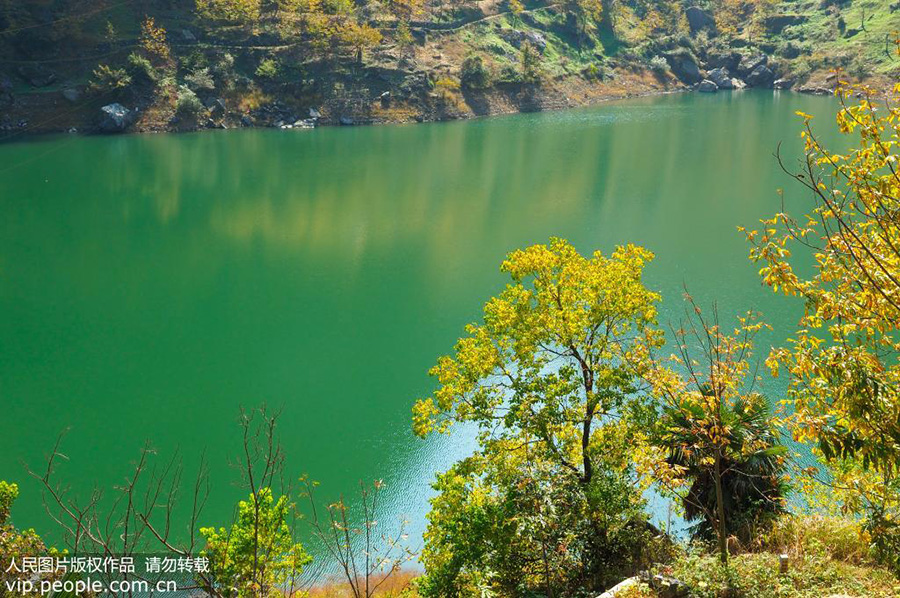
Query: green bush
{"x": 592, "y": 72}
{"x": 188, "y": 105}
{"x": 141, "y": 69}
{"x": 108, "y": 79}
{"x": 16, "y": 544}
{"x": 473, "y": 74}
{"x": 658, "y": 64}
{"x": 268, "y": 69}
{"x": 525, "y": 530}
{"x": 200, "y": 79}
{"x": 258, "y": 553}
{"x": 508, "y": 74}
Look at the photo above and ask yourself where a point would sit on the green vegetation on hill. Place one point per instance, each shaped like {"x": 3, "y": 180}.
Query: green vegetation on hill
{"x": 243, "y": 62}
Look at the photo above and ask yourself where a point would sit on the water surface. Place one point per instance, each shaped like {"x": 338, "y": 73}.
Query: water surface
{"x": 151, "y": 285}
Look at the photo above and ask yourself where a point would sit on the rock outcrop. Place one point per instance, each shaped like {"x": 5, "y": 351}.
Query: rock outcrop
{"x": 684, "y": 67}
{"x": 699, "y": 20}
{"x": 761, "y": 76}
{"x": 776, "y": 23}
{"x": 36, "y": 75}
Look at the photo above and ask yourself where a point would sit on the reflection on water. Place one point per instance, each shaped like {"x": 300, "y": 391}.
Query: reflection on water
{"x": 150, "y": 285}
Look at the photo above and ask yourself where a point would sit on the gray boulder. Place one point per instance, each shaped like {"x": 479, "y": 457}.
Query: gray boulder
{"x": 783, "y": 84}
{"x": 684, "y": 67}
{"x": 750, "y": 62}
{"x": 115, "y": 118}
{"x": 346, "y": 121}
{"x": 71, "y": 95}
{"x": 516, "y": 38}
{"x": 707, "y": 86}
{"x": 314, "y": 114}
{"x": 721, "y": 78}
{"x": 762, "y": 76}
{"x": 699, "y": 19}
{"x": 537, "y": 40}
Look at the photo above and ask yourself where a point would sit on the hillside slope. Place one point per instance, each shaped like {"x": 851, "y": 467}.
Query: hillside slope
{"x": 181, "y": 65}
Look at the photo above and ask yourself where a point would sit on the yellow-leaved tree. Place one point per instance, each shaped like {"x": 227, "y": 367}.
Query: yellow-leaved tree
{"x": 843, "y": 259}
{"x": 550, "y": 501}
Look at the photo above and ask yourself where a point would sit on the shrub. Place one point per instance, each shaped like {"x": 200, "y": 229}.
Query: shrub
{"x": 592, "y": 72}
{"x": 659, "y": 64}
{"x": 107, "y": 79}
{"x": 474, "y": 74}
{"x": 199, "y": 79}
{"x": 520, "y": 531}
{"x": 841, "y": 538}
{"x": 188, "y": 105}
{"x": 16, "y": 544}
{"x": 268, "y": 69}
{"x": 508, "y": 74}
{"x": 757, "y": 576}
{"x": 141, "y": 69}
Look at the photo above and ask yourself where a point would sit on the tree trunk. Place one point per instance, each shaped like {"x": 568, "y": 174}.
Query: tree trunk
{"x": 720, "y": 508}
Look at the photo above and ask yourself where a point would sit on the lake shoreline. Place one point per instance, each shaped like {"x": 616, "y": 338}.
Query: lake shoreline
{"x": 497, "y": 101}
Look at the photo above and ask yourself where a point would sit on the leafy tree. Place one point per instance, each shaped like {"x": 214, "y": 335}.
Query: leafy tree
{"x": 720, "y": 451}
{"x": 404, "y": 37}
{"x": 15, "y": 544}
{"x": 584, "y": 13}
{"x": 548, "y": 382}
{"x": 530, "y": 60}
{"x": 154, "y": 44}
{"x": 258, "y": 553}
{"x": 842, "y": 362}
{"x": 359, "y": 37}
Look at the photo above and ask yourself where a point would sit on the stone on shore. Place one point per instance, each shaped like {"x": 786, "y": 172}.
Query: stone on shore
{"x": 115, "y": 118}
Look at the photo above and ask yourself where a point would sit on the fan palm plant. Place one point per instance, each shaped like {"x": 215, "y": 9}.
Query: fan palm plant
{"x": 752, "y": 466}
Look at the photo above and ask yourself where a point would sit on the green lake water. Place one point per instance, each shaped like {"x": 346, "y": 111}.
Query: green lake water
{"x": 150, "y": 285}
